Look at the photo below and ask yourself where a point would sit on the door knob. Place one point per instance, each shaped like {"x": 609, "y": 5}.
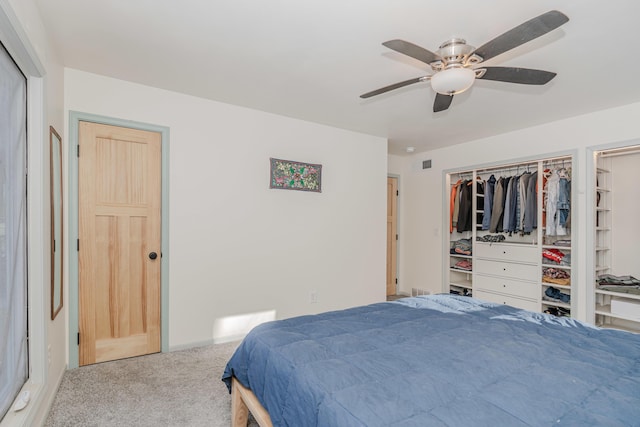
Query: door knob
{"x": 153, "y": 255}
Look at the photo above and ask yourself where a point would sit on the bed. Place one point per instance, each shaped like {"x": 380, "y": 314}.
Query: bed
{"x": 436, "y": 360}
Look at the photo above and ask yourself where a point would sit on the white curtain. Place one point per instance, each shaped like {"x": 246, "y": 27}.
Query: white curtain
{"x": 13, "y": 212}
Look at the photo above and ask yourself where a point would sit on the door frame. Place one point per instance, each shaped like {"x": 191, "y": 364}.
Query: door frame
{"x": 75, "y": 118}
{"x": 397, "y": 178}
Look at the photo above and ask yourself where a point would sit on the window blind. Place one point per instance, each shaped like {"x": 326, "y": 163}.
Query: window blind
{"x": 13, "y": 233}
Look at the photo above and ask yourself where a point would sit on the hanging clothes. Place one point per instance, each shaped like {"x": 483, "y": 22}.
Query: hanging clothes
{"x": 531, "y": 207}
{"x": 506, "y": 222}
{"x": 564, "y": 199}
{"x": 456, "y": 206}
{"x": 453, "y": 206}
{"x": 505, "y": 185}
{"x": 553, "y": 187}
{"x": 524, "y": 183}
{"x": 513, "y": 206}
{"x": 480, "y": 185}
{"x": 497, "y": 207}
{"x": 488, "y": 202}
{"x": 558, "y": 203}
{"x": 464, "y": 214}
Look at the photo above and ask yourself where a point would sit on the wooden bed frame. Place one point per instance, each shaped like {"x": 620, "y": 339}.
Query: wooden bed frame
{"x": 242, "y": 401}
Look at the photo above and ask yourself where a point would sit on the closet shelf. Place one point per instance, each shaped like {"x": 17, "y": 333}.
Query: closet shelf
{"x": 559, "y": 267}
{"x": 461, "y": 256}
{"x": 617, "y": 294}
{"x": 605, "y": 310}
{"x": 467, "y": 284}
{"x": 555, "y": 304}
{"x": 459, "y": 270}
{"x": 567, "y": 287}
{"x": 618, "y": 327}
{"x": 562, "y": 248}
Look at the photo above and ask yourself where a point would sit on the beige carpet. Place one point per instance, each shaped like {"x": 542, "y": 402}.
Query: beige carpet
{"x": 181, "y": 388}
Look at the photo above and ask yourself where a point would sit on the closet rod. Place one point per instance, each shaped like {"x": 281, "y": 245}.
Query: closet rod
{"x": 619, "y": 151}
{"x": 563, "y": 163}
{"x": 507, "y": 167}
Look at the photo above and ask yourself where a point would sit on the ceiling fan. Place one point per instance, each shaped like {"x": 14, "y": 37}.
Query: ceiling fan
{"x": 456, "y": 64}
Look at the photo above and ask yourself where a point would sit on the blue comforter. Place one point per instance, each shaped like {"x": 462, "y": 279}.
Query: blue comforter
{"x": 440, "y": 360}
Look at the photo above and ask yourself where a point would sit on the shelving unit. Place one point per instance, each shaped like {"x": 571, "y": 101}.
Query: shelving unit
{"x": 607, "y": 258}
{"x": 506, "y": 271}
{"x": 460, "y": 281}
{"x": 556, "y": 241}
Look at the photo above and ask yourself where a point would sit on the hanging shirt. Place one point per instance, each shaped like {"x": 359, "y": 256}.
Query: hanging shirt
{"x": 497, "y": 207}
{"x": 564, "y": 200}
{"x": 524, "y": 183}
{"x": 513, "y": 207}
{"x": 480, "y": 184}
{"x": 506, "y": 222}
{"x": 505, "y": 186}
{"x": 488, "y": 202}
{"x": 452, "y": 205}
{"x": 456, "y": 204}
{"x": 531, "y": 207}
{"x": 553, "y": 182}
{"x": 464, "y": 214}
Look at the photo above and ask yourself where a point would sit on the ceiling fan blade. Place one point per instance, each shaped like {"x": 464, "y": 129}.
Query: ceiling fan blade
{"x": 525, "y": 76}
{"x": 442, "y": 102}
{"x": 412, "y": 50}
{"x": 521, "y": 34}
{"x": 392, "y": 87}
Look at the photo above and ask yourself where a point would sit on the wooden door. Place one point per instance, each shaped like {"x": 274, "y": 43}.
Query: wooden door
{"x": 119, "y": 176}
{"x": 392, "y": 234}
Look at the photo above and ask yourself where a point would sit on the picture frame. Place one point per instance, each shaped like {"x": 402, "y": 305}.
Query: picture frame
{"x": 55, "y": 146}
{"x": 294, "y": 175}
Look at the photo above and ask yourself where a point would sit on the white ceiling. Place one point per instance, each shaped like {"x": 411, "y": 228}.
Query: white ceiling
{"x": 311, "y": 59}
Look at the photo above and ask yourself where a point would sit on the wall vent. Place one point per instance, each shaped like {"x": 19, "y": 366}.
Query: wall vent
{"x": 415, "y": 292}
{"x": 426, "y": 164}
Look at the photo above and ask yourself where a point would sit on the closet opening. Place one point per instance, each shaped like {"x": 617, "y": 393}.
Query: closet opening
{"x": 509, "y": 238}
{"x": 616, "y": 231}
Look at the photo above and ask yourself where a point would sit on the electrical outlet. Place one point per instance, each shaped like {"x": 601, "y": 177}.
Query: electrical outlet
{"x": 313, "y": 297}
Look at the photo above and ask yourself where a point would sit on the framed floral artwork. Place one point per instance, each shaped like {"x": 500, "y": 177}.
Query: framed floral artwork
{"x": 290, "y": 175}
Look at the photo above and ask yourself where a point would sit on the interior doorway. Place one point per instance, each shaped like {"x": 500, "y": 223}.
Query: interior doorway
{"x": 392, "y": 235}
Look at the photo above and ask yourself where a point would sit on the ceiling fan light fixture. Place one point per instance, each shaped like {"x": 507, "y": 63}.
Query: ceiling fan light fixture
{"x": 453, "y": 80}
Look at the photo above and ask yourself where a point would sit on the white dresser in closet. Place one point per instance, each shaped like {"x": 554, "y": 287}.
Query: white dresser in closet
{"x": 507, "y": 274}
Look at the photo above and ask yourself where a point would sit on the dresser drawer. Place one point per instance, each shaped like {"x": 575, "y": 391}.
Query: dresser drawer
{"x": 519, "y": 253}
{"x": 508, "y": 300}
{"x": 507, "y": 286}
{"x": 507, "y": 269}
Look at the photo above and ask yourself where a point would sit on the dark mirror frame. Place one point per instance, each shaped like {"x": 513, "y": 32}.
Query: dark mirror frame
{"x": 55, "y": 143}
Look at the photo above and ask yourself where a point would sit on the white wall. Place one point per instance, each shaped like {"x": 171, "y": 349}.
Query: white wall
{"x": 236, "y": 246}
{"x": 625, "y": 201}
{"x": 422, "y": 207}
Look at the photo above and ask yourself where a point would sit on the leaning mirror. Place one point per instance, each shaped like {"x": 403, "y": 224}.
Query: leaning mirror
{"x": 56, "y": 221}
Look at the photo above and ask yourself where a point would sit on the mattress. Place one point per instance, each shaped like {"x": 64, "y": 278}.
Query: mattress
{"x": 440, "y": 360}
